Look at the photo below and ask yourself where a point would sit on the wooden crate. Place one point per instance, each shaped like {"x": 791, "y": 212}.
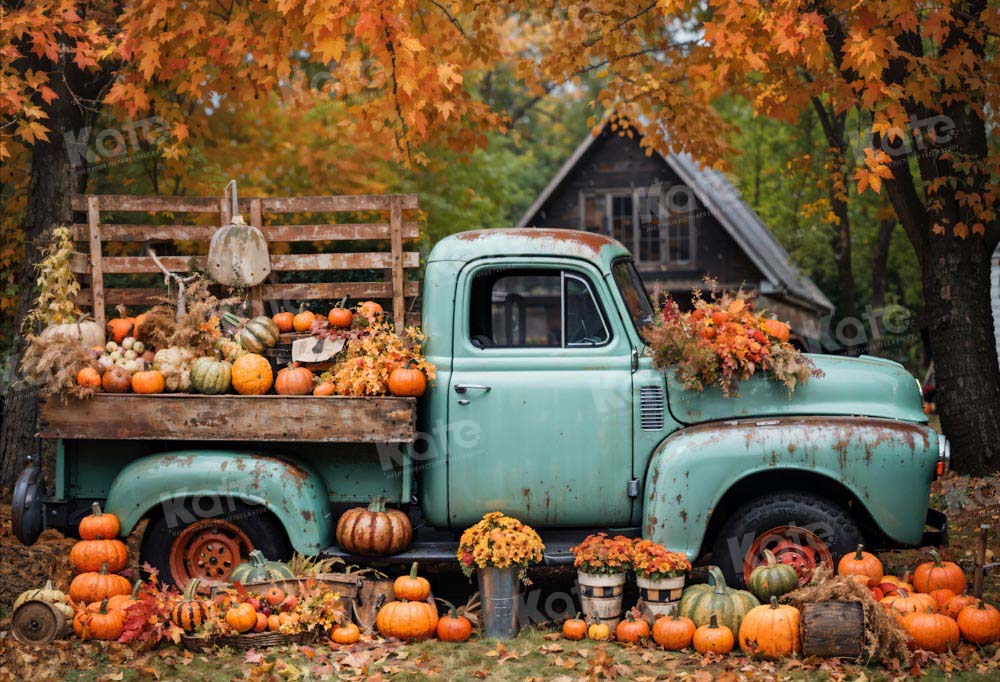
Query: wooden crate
{"x": 286, "y": 222}
{"x": 187, "y": 416}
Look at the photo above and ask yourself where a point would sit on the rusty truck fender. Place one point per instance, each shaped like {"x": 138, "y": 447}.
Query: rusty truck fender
{"x": 886, "y": 465}
{"x": 294, "y": 492}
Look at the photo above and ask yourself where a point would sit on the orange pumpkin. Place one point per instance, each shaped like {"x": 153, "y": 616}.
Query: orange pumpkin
{"x": 407, "y": 381}
{"x": 454, "y": 628}
{"x": 148, "y": 382}
{"x": 261, "y": 624}
{"x": 407, "y": 620}
{"x": 954, "y": 606}
{"x": 242, "y": 617}
{"x": 99, "y": 525}
{"x": 574, "y": 628}
{"x": 370, "y": 310}
{"x": 714, "y": 638}
{"x": 937, "y": 574}
{"x": 192, "y": 611}
{"x": 898, "y": 582}
{"x": 137, "y": 322}
{"x": 411, "y": 587}
{"x": 274, "y": 595}
{"x": 339, "y": 316}
{"x": 294, "y": 381}
{"x": 904, "y": 602}
{"x": 121, "y": 602}
{"x": 91, "y": 587}
{"x": 673, "y": 632}
{"x": 777, "y": 329}
{"x": 980, "y": 623}
{"x": 931, "y": 631}
{"x": 284, "y": 321}
{"x": 631, "y": 630}
{"x": 303, "y": 320}
{"x": 91, "y": 555}
{"x": 120, "y": 327}
{"x": 116, "y": 380}
{"x": 770, "y": 631}
{"x": 861, "y": 563}
{"x": 252, "y": 374}
{"x": 323, "y": 388}
{"x": 273, "y": 622}
{"x": 719, "y": 318}
{"x": 941, "y": 597}
{"x": 345, "y": 633}
{"x": 88, "y": 377}
{"x": 100, "y": 622}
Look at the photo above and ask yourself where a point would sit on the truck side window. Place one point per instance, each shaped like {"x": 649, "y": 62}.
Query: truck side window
{"x": 512, "y": 308}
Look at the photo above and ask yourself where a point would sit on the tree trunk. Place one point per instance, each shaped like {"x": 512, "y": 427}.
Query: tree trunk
{"x": 880, "y": 260}
{"x": 841, "y": 244}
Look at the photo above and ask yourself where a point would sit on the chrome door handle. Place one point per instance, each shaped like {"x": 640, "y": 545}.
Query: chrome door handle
{"x": 463, "y": 401}
{"x": 462, "y": 388}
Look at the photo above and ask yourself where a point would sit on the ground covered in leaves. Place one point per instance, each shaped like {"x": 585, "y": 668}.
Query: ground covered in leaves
{"x": 539, "y": 653}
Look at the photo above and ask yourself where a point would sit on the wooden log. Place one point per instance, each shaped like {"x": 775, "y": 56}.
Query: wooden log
{"x": 833, "y": 629}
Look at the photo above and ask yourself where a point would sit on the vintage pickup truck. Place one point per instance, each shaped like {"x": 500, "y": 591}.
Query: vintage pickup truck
{"x": 546, "y": 406}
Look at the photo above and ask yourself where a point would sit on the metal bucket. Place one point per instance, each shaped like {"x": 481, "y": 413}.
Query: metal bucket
{"x": 498, "y": 589}
{"x": 659, "y": 597}
{"x": 601, "y": 597}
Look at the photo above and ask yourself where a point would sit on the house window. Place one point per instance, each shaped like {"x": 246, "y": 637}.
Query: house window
{"x": 656, "y": 227}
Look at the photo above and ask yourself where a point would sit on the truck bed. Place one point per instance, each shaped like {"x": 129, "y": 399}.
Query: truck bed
{"x": 183, "y": 416}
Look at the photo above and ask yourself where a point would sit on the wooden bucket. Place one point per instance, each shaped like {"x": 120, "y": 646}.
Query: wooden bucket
{"x": 833, "y": 629}
{"x": 659, "y": 597}
{"x": 601, "y": 597}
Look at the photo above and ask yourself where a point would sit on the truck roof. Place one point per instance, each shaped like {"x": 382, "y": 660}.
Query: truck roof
{"x": 529, "y": 241}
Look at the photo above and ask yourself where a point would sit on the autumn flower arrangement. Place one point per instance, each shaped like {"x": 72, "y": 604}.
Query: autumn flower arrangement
{"x": 723, "y": 341}
{"x": 599, "y": 554}
{"x": 499, "y": 541}
{"x": 653, "y": 561}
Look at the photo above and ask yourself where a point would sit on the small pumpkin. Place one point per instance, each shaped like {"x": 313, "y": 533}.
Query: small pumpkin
{"x": 954, "y": 606}
{"x": 407, "y": 620}
{"x": 255, "y": 335}
{"x": 942, "y": 597}
{"x": 979, "y": 623}
{"x": 673, "y": 632}
{"x": 574, "y": 628}
{"x": 175, "y": 363}
{"x": 48, "y": 593}
{"x": 102, "y": 623}
{"x": 91, "y": 555}
{"x": 937, "y": 574}
{"x": 772, "y": 579}
{"x": 116, "y": 380}
{"x": 274, "y": 595}
{"x": 931, "y": 631}
{"x": 252, "y": 374}
{"x": 346, "y": 632}
{"x": 339, "y": 316}
{"x": 121, "y": 602}
{"x": 283, "y": 321}
{"x": 777, "y": 329}
{"x": 228, "y": 349}
{"x": 370, "y": 310}
{"x": 411, "y": 587}
{"x": 453, "y": 627}
{"x": 304, "y": 319}
{"x": 324, "y": 388}
{"x": 242, "y": 617}
{"x": 258, "y": 569}
{"x": 273, "y": 623}
{"x": 294, "y": 381}
{"x": 599, "y": 632}
{"x": 771, "y": 631}
{"x": 211, "y": 375}
{"x": 713, "y": 637}
{"x": 700, "y": 602}
{"x": 99, "y": 525}
{"x": 861, "y": 563}
{"x": 261, "y": 624}
{"x": 904, "y": 602}
{"x": 148, "y": 382}
{"x": 631, "y": 630}
{"x": 91, "y": 587}
{"x": 85, "y": 331}
{"x": 374, "y": 530}
{"x": 120, "y": 327}
{"x": 88, "y": 377}
{"x": 898, "y": 582}
{"x": 407, "y": 381}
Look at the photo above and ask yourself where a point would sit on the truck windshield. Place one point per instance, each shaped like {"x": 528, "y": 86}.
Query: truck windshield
{"x": 640, "y": 308}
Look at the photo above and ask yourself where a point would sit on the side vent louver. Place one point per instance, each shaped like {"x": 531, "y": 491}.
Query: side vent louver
{"x": 651, "y": 408}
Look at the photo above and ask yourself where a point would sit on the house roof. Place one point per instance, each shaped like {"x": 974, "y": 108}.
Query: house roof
{"x": 718, "y": 196}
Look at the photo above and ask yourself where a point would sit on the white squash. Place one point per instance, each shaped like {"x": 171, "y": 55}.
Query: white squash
{"x": 175, "y": 365}
{"x": 87, "y": 332}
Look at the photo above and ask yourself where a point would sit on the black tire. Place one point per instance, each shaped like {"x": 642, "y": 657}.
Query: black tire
{"x": 169, "y": 520}
{"x": 828, "y": 520}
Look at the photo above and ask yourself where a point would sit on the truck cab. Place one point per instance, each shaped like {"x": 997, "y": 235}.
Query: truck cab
{"x": 547, "y": 407}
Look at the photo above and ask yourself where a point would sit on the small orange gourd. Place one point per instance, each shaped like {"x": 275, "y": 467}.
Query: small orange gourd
{"x": 99, "y": 525}
{"x": 980, "y": 623}
{"x": 252, "y": 374}
{"x": 454, "y": 628}
{"x": 574, "y": 628}
{"x": 88, "y": 377}
{"x": 411, "y": 587}
{"x": 673, "y": 632}
{"x": 713, "y": 638}
{"x": 407, "y": 381}
{"x": 937, "y": 574}
{"x": 284, "y": 321}
{"x": 861, "y": 563}
{"x": 294, "y": 381}
{"x": 631, "y": 630}
{"x": 303, "y": 320}
{"x": 148, "y": 382}
{"x": 242, "y": 617}
{"x": 345, "y": 633}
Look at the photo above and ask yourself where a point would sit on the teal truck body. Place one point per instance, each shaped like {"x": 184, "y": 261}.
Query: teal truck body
{"x": 547, "y": 406}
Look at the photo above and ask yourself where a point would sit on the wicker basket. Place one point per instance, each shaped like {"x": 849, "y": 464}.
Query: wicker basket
{"x": 344, "y": 584}
{"x": 197, "y": 644}
{"x": 249, "y": 640}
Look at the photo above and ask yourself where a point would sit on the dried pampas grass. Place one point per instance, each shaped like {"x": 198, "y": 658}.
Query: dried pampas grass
{"x": 197, "y": 328}
{"x": 51, "y": 365}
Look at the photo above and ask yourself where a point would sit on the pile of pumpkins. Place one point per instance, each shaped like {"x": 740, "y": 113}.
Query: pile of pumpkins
{"x": 412, "y": 616}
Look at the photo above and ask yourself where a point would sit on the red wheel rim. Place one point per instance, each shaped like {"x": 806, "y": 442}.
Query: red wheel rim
{"x": 208, "y": 550}
{"x": 801, "y": 549}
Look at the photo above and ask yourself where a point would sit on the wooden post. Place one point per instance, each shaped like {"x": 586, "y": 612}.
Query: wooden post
{"x": 977, "y": 574}
{"x": 96, "y": 264}
{"x": 396, "y": 238}
{"x": 256, "y": 293}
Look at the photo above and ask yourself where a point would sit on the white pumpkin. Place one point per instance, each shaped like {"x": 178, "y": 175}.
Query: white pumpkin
{"x": 175, "y": 365}
{"x": 48, "y": 594}
{"x": 87, "y": 332}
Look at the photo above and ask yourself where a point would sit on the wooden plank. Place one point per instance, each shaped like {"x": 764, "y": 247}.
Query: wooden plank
{"x": 413, "y": 319}
{"x": 156, "y": 203}
{"x": 293, "y": 262}
{"x": 137, "y": 265}
{"x": 123, "y": 232}
{"x": 231, "y": 417}
{"x": 96, "y": 272}
{"x": 79, "y": 263}
{"x": 396, "y": 272}
{"x": 126, "y": 296}
{"x": 330, "y": 204}
{"x": 307, "y": 291}
{"x": 255, "y": 293}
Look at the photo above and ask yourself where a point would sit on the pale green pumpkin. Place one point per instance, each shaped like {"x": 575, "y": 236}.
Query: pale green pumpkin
{"x": 699, "y": 602}
{"x": 211, "y": 376}
{"x": 258, "y": 569}
{"x": 772, "y": 579}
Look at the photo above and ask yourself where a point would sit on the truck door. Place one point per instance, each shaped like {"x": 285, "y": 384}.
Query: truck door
{"x": 540, "y": 397}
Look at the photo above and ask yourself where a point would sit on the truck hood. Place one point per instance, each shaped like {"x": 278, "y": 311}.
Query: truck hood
{"x": 865, "y": 386}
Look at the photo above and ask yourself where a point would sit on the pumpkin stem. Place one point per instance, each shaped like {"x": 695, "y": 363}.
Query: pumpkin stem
{"x": 857, "y": 553}
{"x": 713, "y": 622}
{"x": 95, "y": 509}
{"x": 377, "y": 504}
{"x": 104, "y": 606}
{"x": 342, "y": 303}
{"x": 774, "y": 602}
{"x": 48, "y": 585}
{"x": 936, "y": 557}
{"x": 413, "y": 570}
{"x": 191, "y": 590}
{"x": 104, "y": 568}
{"x": 769, "y": 558}
{"x": 716, "y": 579}
{"x": 135, "y": 590}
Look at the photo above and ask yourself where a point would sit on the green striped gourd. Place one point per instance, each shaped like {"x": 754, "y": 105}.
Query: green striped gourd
{"x": 258, "y": 569}
{"x": 699, "y": 602}
{"x": 772, "y": 579}
{"x": 255, "y": 335}
{"x": 211, "y": 376}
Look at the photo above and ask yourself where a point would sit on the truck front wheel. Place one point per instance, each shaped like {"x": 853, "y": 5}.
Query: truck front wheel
{"x": 806, "y": 531}
{"x": 183, "y": 540}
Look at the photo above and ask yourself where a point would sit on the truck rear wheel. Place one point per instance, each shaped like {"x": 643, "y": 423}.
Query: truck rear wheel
{"x": 805, "y": 531}
{"x": 184, "y": 542}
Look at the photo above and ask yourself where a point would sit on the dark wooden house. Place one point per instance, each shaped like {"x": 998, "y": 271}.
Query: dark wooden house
{"x": 680, "y": 222}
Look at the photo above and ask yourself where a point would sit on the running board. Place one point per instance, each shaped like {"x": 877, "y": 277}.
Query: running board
{"x": 430, "y": 552}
